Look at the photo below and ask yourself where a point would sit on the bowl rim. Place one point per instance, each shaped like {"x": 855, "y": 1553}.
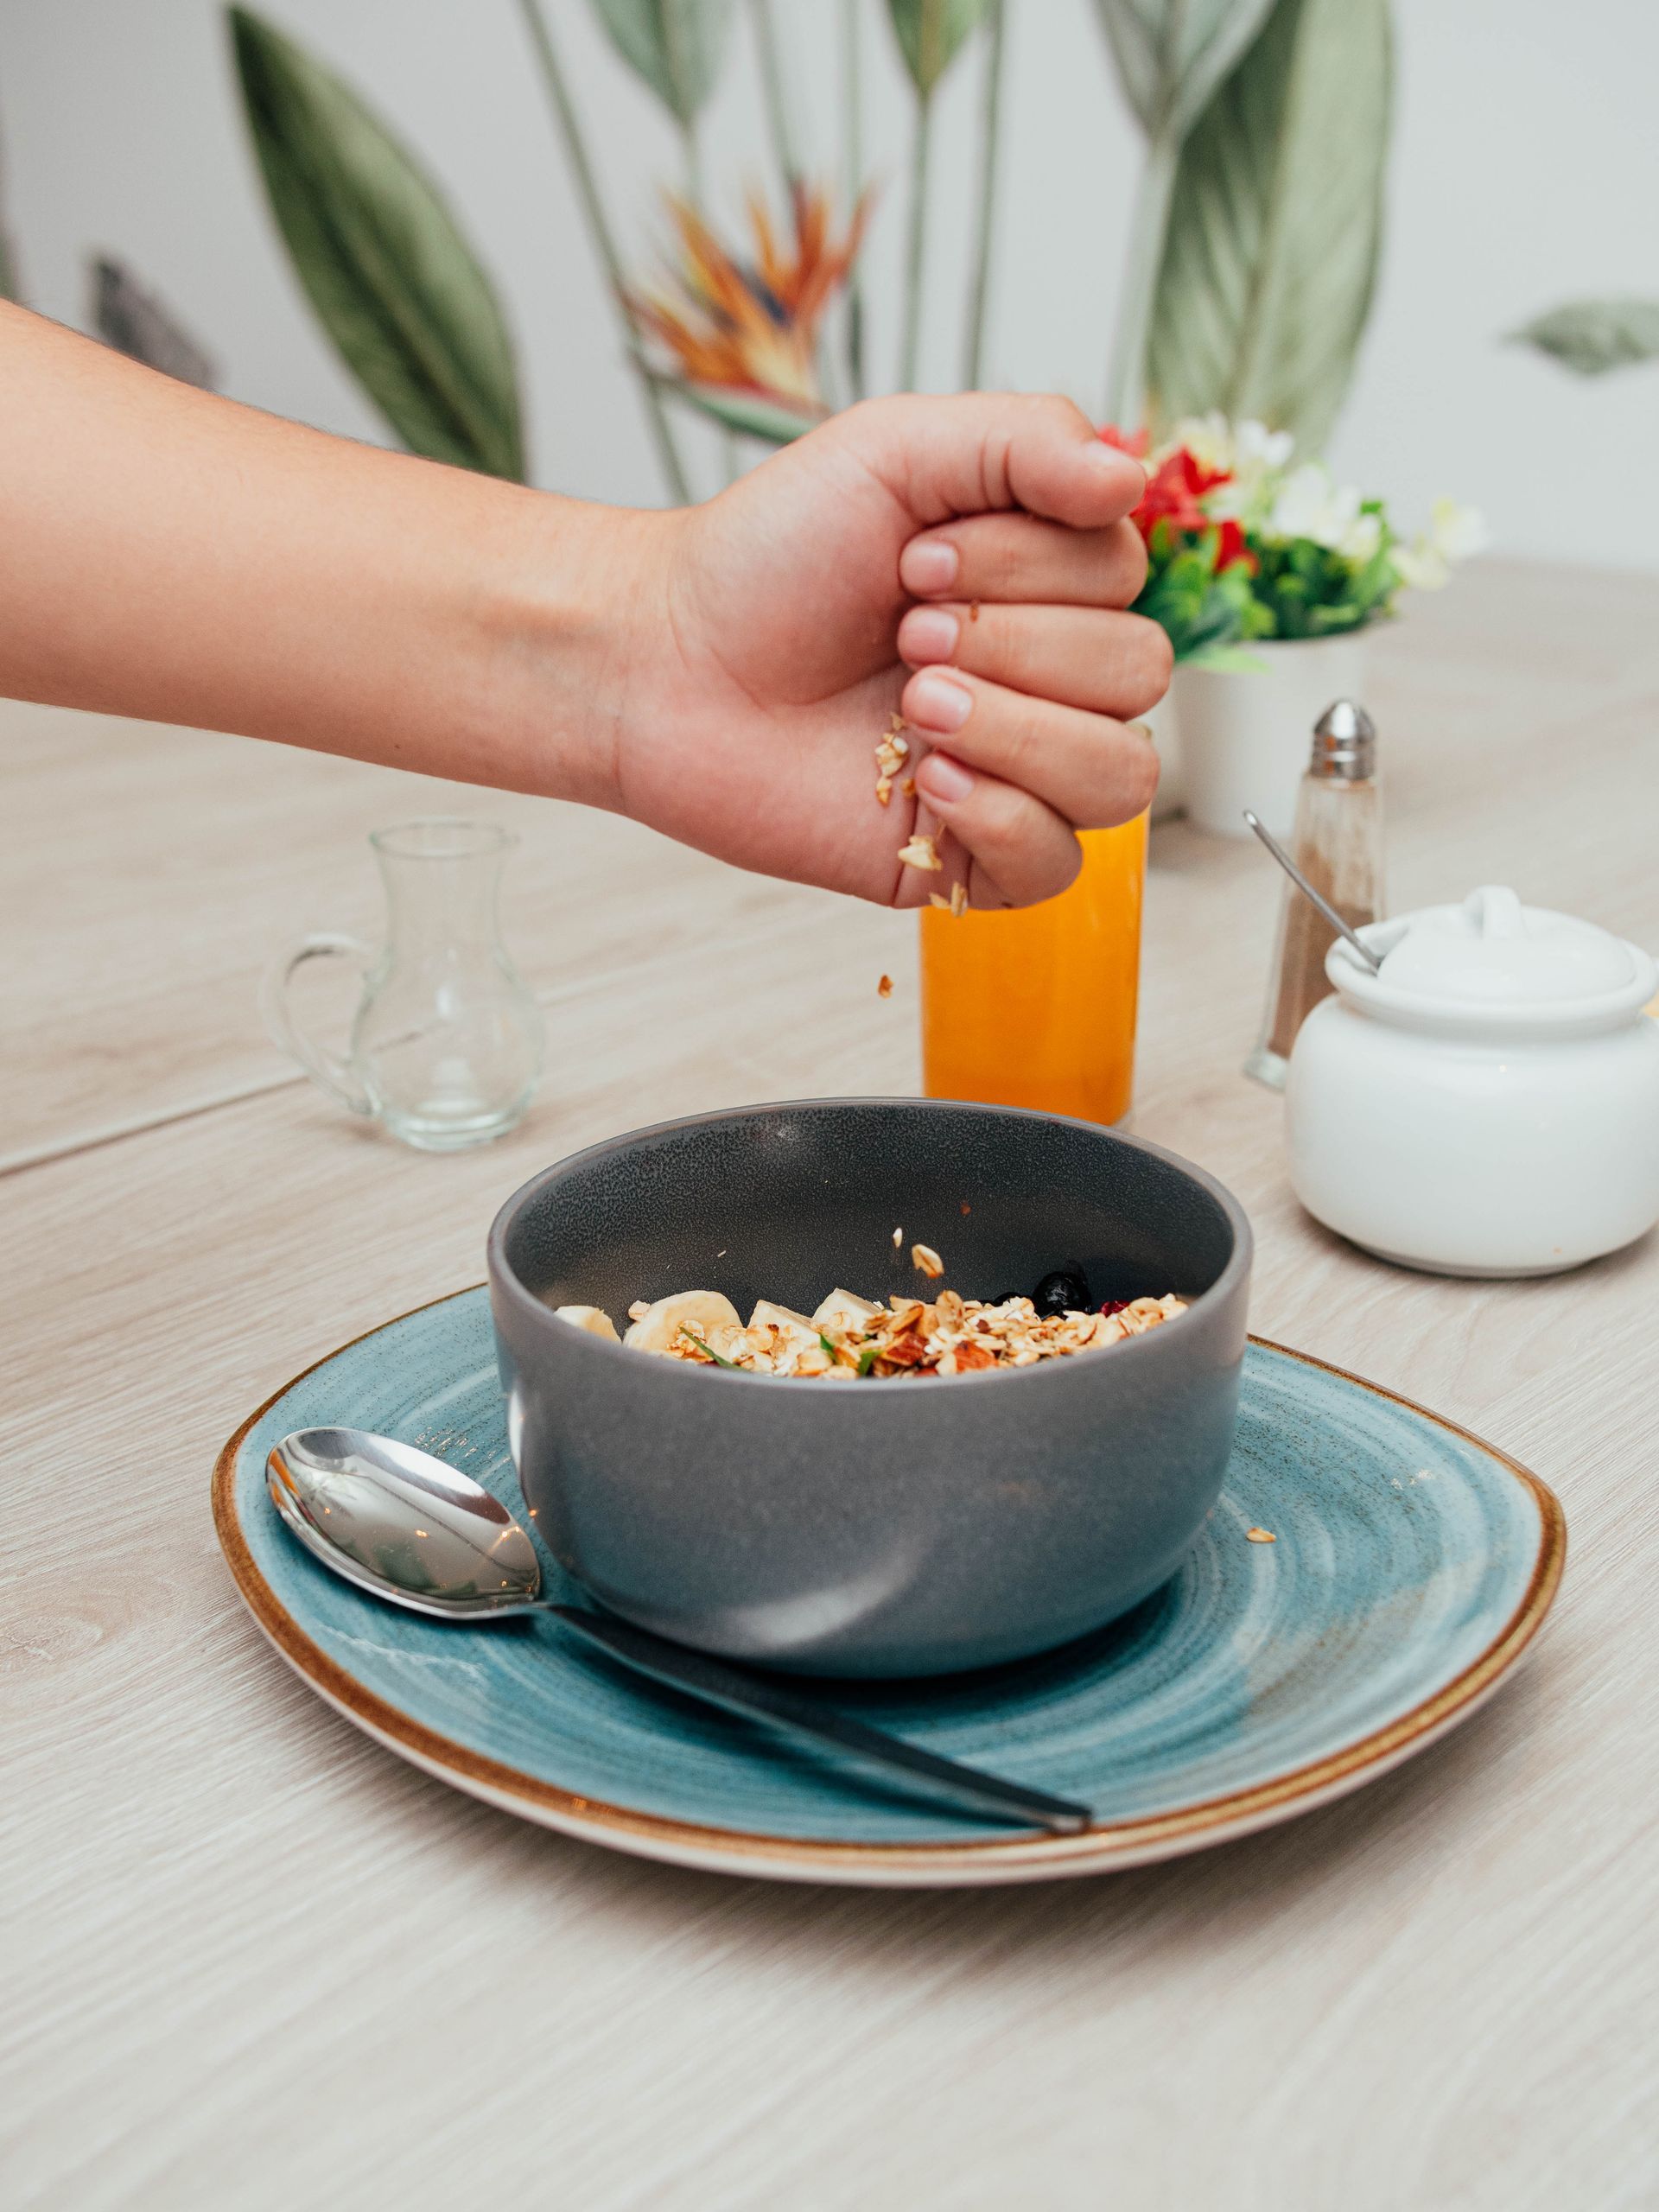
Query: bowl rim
{"x": 538, "y": 1312}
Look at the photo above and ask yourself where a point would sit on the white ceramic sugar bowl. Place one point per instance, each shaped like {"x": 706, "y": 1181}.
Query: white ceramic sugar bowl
{"x": 1488, "y": 1103}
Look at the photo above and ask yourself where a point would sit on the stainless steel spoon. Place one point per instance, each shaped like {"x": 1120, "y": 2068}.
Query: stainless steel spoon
{"x": 411, "y": 1529}
{"x": 1342, "y": 928}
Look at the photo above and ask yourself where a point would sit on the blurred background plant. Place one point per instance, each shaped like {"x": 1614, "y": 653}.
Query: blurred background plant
{"x": 1245, "y": 289}
{"x": 1590, "y": 337}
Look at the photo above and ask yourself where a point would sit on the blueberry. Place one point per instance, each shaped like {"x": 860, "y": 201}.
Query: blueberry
{"x": 1063, "y": 1290}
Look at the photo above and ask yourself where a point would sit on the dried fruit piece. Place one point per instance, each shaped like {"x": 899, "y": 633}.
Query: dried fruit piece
{"x": 927, "y": 1260}
{"x": 1062, "y": 1291}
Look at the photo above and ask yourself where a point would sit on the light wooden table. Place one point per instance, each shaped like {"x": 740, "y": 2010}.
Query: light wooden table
{"x": 254, "y": 1960}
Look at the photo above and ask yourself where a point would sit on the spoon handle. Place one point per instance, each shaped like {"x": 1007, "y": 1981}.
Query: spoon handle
{"x": 1343, "y": 929}
{"x": 760, "y": 1697}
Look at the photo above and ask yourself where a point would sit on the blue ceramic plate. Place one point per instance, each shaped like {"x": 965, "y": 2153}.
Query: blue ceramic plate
{"x": 1410, "y": 1567}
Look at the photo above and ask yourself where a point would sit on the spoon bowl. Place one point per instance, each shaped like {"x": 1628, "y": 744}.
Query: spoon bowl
{"x": 397, "y": 1522}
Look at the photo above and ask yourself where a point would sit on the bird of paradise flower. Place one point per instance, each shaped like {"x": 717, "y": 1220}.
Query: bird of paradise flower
{"x": 744, "y": 334}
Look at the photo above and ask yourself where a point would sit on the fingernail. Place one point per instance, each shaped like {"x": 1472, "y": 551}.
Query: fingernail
{"x": 928, "y": 633}
{"x": 943, "y": 779}
{"x": 1102, "y": 456}
{"x": 928, "y": 564}
{"x": 938, "y": 702}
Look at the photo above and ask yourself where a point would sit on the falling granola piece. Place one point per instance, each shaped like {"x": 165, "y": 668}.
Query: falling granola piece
{"x": 1261, "y": 1537}
{"x": 936, "y": 899}
{"x": 898, "y": 1238}
{"x": 927, "y": 1260}
{"x": 920, "y": 852}
{"x": 884, "y": 988}
{"x": 908, "y": 787}
{"x": 884, "y": 789}
{"x": 958, "y": 899}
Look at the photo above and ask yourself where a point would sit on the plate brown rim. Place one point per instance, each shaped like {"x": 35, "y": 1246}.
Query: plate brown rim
{"x": 1111, "y": 1840}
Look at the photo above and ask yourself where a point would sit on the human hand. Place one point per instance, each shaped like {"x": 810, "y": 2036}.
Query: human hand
{"x": 779, "y": 626}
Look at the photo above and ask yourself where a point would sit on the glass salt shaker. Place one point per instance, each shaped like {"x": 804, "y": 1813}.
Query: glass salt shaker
{"x": 1338, "y": 844}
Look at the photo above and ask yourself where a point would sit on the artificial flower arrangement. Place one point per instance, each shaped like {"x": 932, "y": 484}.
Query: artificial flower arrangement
{"x": 1241, "y": 545}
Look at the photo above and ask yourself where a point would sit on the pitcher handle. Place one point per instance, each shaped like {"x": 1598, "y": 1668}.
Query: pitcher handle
{"x": 325, "y": 1069}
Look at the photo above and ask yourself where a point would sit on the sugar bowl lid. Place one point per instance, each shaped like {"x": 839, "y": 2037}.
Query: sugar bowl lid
{"x": 1493, "y": 962}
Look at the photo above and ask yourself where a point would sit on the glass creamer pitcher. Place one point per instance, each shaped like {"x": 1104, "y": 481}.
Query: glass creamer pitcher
{"x": 446, "y": 1047}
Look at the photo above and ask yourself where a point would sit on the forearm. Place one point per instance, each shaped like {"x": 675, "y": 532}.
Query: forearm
{"x": 173, "y": 556}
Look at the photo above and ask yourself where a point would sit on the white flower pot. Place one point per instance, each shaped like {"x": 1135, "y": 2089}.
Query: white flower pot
{"x": 1245, "y": 735}
{"x": 1164, "y": 722}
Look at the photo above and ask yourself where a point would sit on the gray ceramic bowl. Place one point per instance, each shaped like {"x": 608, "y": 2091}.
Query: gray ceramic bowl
{"x": 879, "y": 1528}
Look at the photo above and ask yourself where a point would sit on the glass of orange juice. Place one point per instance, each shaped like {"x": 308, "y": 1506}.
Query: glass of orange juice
{"x": 1036, "y": 1008}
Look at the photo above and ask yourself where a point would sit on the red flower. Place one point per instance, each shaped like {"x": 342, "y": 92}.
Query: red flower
{"x": 1130, "y": 442}
{"x": 1230, "y": 547}
{"x": 1173, "y": 493}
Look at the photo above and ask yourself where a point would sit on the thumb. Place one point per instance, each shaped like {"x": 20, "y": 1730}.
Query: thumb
{"x": 979, "y": 451}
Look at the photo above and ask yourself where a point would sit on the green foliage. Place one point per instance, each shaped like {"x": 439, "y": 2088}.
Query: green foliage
{"x": 1172, "y": 55}
{"x": 1205, "y": 615}
{"x": 394, "y": 282}
{"x": 677, "y": 45}
{"x": 1305, "y": 590}
{"x": 930, "y": 33}
{"x": 1590, "y": 337}
{"x": 1270, "y": 251}
{"x": 737, "y": 410}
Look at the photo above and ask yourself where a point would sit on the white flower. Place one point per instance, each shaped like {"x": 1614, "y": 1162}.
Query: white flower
{"x": 1208, "y": 438}
{"x": 1361, "y": 539}
{"x": 1312, "y": 504}
{"x": 1419, "y": 567}
{"x": 1257, "y": 448}
{"x": 1455, "y": 533}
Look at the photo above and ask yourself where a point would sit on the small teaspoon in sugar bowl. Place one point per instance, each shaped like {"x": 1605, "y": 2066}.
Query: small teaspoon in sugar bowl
{"x": 411, "y": 1529}
{"x": 1343, "y": 929}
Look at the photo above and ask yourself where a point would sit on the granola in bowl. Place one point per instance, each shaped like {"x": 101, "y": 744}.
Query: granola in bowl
{"x": 850, "y": 1338}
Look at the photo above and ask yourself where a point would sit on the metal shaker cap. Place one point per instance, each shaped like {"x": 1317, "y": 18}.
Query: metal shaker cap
{"x": 1344, "y": 744}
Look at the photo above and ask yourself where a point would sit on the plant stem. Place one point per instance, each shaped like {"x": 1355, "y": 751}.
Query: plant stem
{"x": 989, "y": 147}
{"x": 588, "y": 192}
{"x": 777, "y": 100}
{"x": 916, "y": 252}
{"x": 694, "y": 200}
{"x": 1126, "y": 384}
{"x": 852, "y": 91}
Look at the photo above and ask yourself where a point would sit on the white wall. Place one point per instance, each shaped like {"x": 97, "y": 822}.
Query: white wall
{"x": 1526, "y": 169}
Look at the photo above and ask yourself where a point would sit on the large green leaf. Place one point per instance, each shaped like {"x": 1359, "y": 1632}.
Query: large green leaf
{"x": 931, "y": 32}
{"x": 1270, "y": 253}
{"x": 396, "y": 285}
{"x": 677, "y": 45}
{"x": 742, "y": 411}
{"x": 1172, "y": 55}
{"x": 1592, "y": 336}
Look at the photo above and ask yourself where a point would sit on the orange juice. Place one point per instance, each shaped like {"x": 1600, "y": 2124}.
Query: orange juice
{"x": 1036, "y": 1008}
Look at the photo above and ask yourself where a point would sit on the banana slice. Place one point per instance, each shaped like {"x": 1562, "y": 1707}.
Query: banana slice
{"x": 706, "y": 1314}
{"x": 596, "y": 1321}
{"x": 843, "y": 1309}
{"x": 795, "y": 1330}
